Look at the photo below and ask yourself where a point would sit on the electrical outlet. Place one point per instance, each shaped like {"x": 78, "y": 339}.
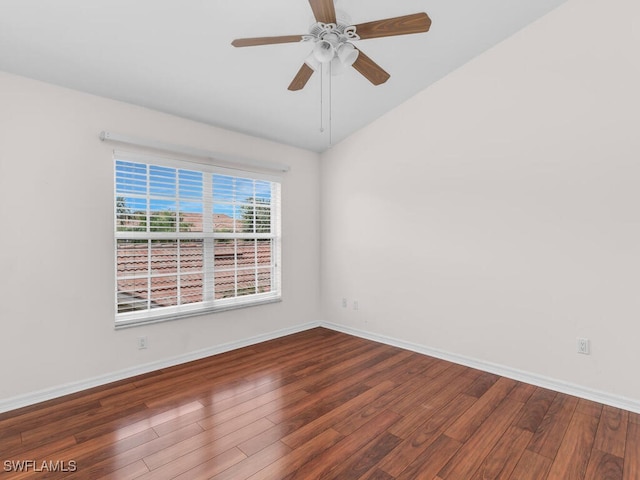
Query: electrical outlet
{"x": 344, "y": 303}
{"x": 355, "y": 305}
{"x": 142, "y": 343}
{"x": 583, "y": 346}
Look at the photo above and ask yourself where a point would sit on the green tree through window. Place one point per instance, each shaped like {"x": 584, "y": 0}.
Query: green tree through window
{"x": 256, "y": 215}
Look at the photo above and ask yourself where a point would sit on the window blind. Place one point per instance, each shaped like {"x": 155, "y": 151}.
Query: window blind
{"x": 192, "y": 238}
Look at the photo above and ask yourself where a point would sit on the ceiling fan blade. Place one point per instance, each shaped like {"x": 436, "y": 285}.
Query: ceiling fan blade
{"x": 252, "y": 42}
{"x": 323, "y": 10}
{"x": 370, "y": 69}
{"x": 301, "y": 78}
{"x": 416, "y": 23}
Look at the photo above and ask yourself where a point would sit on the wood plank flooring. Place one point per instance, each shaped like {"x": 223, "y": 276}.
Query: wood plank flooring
{"x": 320, "y": 404}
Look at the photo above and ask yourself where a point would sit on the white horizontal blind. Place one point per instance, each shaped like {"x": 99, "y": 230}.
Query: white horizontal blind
{"x": 191, "y": 238}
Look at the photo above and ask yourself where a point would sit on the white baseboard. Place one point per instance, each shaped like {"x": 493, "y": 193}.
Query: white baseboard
{"x": 20, "y": 401}
{"x": 520, "y": 375}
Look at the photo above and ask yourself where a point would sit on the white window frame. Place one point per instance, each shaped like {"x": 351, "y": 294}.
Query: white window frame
{"x": 208, "y": 236}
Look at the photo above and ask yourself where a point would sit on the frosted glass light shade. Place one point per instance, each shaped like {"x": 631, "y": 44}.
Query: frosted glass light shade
{"x": 312, "y": 62}
{"x": 324, "y": 51}
{"x": 337, "y": 67}
{"x": 347, "y": 54}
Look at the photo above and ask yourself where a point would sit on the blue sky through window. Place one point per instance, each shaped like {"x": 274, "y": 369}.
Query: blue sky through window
{"x": 169, "y": 188}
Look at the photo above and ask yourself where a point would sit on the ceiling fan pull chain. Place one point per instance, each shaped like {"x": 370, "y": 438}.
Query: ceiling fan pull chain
{"x": 330, "y": 102}
{"x": 321, "y": 98}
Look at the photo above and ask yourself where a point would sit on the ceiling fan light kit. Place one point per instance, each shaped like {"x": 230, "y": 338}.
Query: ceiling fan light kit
{"x": 347, "y": 53}
{"x": 324, "y": 51}
{"x": 333, "y": 42}
{"x": 331, "y": 49}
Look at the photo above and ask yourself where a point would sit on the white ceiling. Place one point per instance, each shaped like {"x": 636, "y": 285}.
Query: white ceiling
{"x": 176, "y": 56}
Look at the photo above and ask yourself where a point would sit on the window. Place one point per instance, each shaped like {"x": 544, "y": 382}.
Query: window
{"x": 192, "y": 238}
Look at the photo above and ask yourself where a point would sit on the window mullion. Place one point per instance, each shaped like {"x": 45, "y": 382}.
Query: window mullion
{"x": 234, "y": 189}
{"x": 255, "y": 266}
{"x": 178, "y": 276}
{"x": 235, "y": 268}
{"x": 178, "y": 242}
{"x": 255, "y": 241}
{"x": 148, "y": 274}
{"x": 208, "y": 254}
{"x": 149, "y": 242}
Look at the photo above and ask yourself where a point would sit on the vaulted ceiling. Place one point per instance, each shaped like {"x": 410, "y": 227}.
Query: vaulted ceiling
{"x": 176, "y": 57}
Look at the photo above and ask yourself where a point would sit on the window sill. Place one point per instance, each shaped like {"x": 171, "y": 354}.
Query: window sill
{"x": 169, "y": 316}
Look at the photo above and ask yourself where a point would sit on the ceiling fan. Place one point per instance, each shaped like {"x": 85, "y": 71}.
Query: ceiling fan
{"x": 332, "y": 39}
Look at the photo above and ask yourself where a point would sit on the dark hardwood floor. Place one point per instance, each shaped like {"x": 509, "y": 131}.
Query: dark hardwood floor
{"x": 320, "y": 404}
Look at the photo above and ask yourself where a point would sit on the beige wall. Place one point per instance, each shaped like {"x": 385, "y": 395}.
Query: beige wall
{"x": 495, "y": 216}
{"x": 56, "y": 247}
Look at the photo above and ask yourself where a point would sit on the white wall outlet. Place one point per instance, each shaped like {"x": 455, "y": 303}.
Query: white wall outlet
{"x": 355, "y": 305}
{"x": 583, "y": 346}
{"x": 344, "y": 303}
{"x": 143, "y": 343}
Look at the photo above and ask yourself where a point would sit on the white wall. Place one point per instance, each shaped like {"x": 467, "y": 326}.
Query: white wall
{"x": 56, "y": 247}
{"x": 495, "y": 216}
